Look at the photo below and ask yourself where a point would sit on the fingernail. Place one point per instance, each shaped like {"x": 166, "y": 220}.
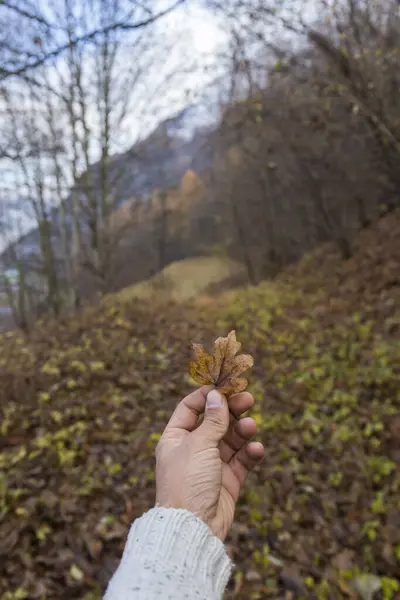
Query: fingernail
{"x": 214, "y": 400}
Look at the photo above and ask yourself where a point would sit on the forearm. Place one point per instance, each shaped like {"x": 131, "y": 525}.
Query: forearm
{"x": 170, "y": 554}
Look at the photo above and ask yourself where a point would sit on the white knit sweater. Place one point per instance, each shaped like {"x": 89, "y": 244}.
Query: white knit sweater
{"x": 172, "y": 555}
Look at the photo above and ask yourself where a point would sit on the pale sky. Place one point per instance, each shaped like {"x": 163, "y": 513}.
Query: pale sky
{"x": 195, "y": 32}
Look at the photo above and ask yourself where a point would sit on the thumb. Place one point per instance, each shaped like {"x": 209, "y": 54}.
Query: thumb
{"x": 216, "y": 419}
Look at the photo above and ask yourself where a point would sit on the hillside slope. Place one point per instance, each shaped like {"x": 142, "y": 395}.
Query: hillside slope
{"x": 83, "y": 403}
{"x": 186, "y": 279}
{"x": 158, "y": 161}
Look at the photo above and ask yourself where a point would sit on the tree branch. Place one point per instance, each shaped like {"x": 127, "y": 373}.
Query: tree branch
{"x": 24, "y": 13}
{"x": 5, "y": 73}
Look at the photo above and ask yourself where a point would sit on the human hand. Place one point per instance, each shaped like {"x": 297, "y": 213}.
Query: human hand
{"x": 201, "y": 467}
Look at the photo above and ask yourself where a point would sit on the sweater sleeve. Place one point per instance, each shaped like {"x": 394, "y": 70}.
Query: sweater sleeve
{"x": 170, "y": 554}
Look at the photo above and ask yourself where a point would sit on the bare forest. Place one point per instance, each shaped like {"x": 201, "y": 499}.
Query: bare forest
{"x": 304, "y": 150}
{"x": 172, "y": 170}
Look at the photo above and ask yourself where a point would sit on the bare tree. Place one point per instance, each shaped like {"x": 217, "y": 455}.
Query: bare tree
{"x": 316, "y": 136}
{"x": 94, "y": 71}
{"x": 41, "y": 42}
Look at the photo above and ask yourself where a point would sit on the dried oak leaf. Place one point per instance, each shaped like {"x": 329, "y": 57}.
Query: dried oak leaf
{"x": 223, "y": 368}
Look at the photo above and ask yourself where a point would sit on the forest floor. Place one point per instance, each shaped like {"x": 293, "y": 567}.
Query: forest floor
{"x": 83, "y": 402}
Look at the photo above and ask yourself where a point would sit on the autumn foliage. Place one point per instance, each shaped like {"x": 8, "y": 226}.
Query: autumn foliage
{"x": 223, "y": 368}
{"x": 83, "y": 403}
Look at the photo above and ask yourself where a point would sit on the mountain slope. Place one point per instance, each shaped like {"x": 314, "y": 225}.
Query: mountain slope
{"x": 157, "y": 162}
{"x": 83, "y": 402}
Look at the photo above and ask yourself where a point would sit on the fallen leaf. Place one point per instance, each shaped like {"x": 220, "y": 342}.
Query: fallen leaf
{"x": 252, "y": 576}
{"x": 223, "y": 368}
{"x": 344, "y": 561}
{"x": 76, "y": 573}
{"x": 291, "y": 581}
{"x": 366, "y": 586}
{"x": 275, "y": 562}
{"x": 49, "y": 499}
{"x": 346, "y": 591}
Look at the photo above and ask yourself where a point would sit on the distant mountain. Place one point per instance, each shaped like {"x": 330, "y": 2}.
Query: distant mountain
{"x": 160, "y": 161}
{"x": 157, "y": 162}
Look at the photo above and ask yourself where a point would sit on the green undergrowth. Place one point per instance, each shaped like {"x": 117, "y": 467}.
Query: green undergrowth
{"x": 84, "y": 400}
{"x": 328, "y": 410}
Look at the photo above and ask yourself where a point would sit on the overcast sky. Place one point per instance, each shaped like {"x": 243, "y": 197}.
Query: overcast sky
{"x": 193, "y": 31}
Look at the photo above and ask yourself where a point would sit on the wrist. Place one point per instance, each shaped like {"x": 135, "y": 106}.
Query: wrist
{"x": 176, "y": 546}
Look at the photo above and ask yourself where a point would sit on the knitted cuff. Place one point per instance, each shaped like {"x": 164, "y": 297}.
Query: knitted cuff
{"x": 175, "y": 549}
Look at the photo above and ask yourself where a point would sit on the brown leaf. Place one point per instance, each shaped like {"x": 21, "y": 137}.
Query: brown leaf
{"x": 291, "y": 580}
{"x": 222, "y": 369}
{"x": 344, "y": 561}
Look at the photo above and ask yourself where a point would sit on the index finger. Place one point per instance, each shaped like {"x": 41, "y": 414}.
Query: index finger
{"x": 188, "y": 411}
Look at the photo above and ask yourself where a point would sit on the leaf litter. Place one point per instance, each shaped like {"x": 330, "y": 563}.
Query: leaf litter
{"x": 320, "y": 515}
